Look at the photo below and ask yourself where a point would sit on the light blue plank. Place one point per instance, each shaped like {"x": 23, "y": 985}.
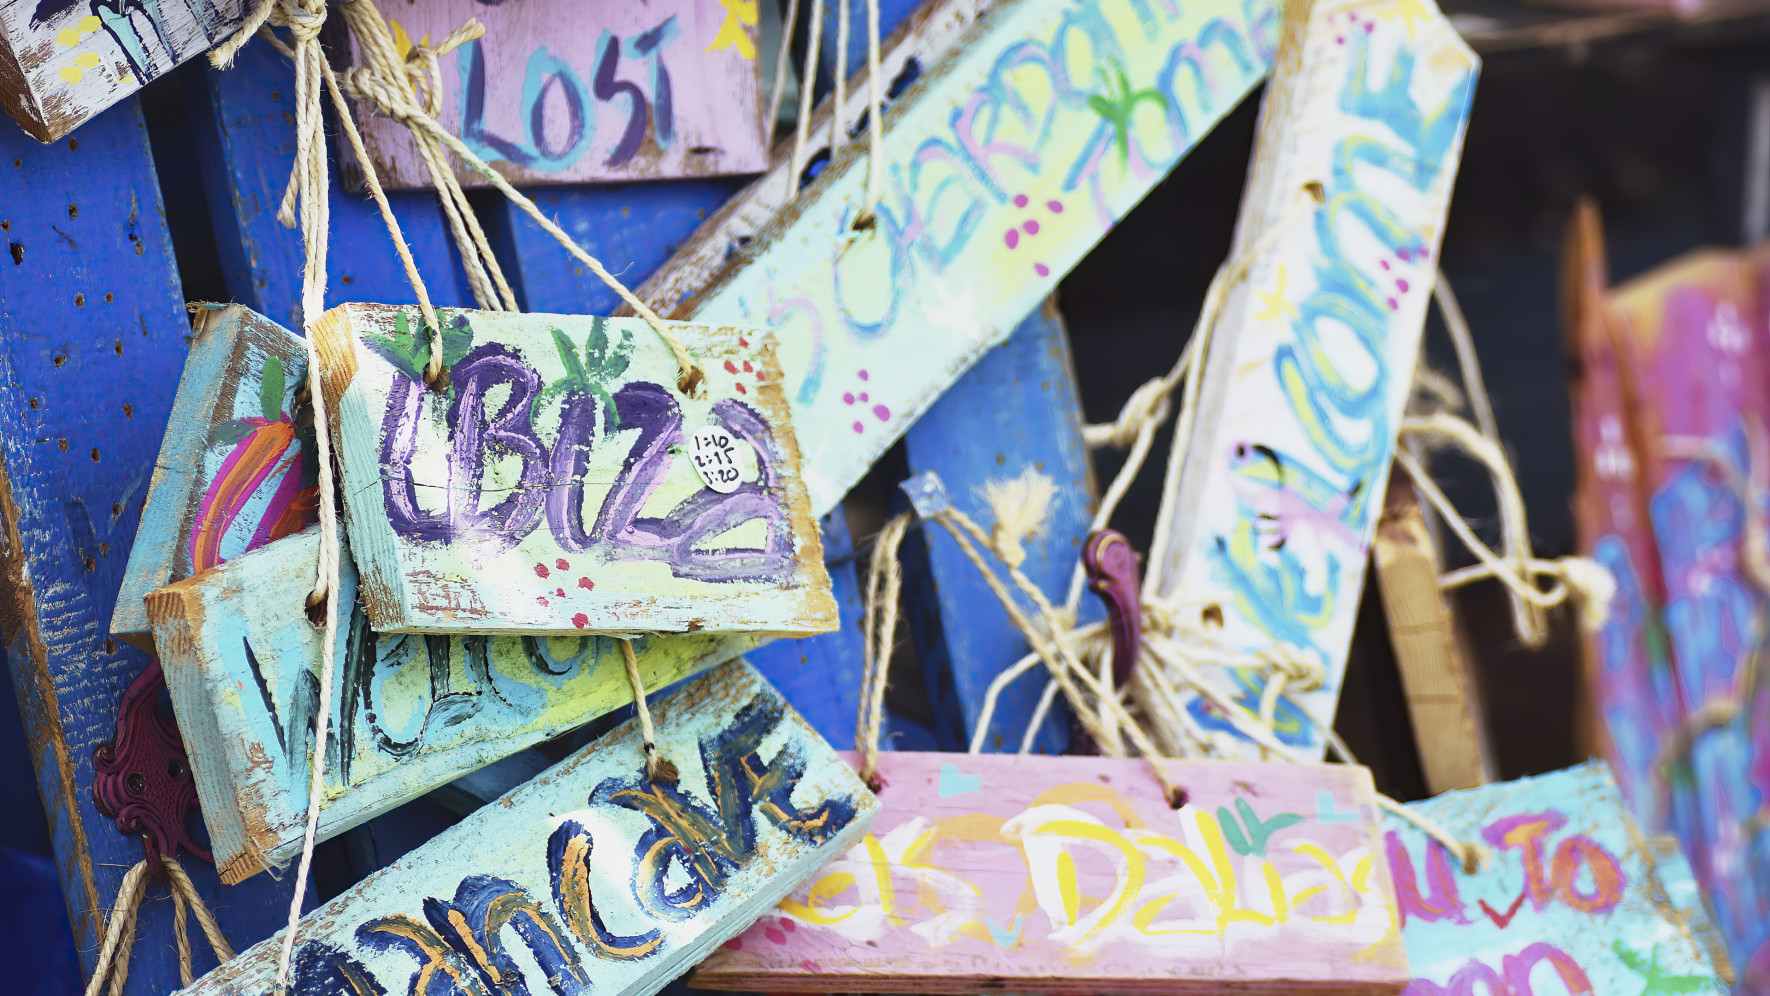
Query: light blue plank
{"x": 1017, "y": 408}
{"x": 93, "y": 344}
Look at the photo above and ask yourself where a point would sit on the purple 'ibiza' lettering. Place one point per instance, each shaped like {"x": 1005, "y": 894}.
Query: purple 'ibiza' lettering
{"x": 509, "y": 430}
{"x": 582, "y": 424}
{"x": 399, "y": 441}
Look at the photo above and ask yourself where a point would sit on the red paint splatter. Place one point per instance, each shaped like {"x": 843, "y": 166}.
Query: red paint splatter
{"x": 586, "y": 583}
{"x": 747, "y": 367}
{"x": 562, "y": 564}
{"x": 774, "y": 935}
{"x": 730, "y": 367}
{"x": 741, "y": 389}
{"x": 743, "y": 341}
{"x": 789, "y": 925}
{"x": 580, "y": 620}
{"x": 735, "y": 944}
{"x": 761, "y": 375}
{"x": 811, "y": 966}
{"x": 541, "y": 570}
{"x": 560, "y": 592}
{"x": 543, "y": 600}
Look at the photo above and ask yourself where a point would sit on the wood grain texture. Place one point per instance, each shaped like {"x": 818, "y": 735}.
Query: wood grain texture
{"x": 413, "y": 713}
{"x": 1569, "y": 893}
{"x": 1074, "y": 875}
{"x": 1003, "y": 169}
{"x": 592, "y": 878}
{"x": 241, "y": 119}
{"x": 821, "y": 674}
{"x": 563, "y": 93}
{"x": 1692, "y": 334}
{"x": 1443, "y": 697}
{"x": 1017, "y": 409}
{"x": 1685, "y": 895}
{"x": 560, "y": 439}
{"x": 1628, "y": 661}
{"x": 1308, "y": 372}
{"x": 233, "y": 473}
{"x": 94, "y": 341}
{"x": 62, "y": 62}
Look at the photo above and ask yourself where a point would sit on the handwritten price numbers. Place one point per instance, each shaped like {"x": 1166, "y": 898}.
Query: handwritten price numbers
{"x": 713, "y": 451}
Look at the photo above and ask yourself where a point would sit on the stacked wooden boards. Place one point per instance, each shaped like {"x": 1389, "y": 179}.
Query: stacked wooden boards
{"x": 592, "y": 877}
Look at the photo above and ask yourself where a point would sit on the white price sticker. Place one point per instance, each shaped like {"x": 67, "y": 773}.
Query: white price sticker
{"x": 713, "y": 450}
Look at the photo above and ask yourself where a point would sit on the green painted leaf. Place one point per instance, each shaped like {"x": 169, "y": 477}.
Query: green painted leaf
{"x": 457, "y": 340}
{"x": 1683, "y": 984}
{"x": 231, "y": 431}
{"x": 596, "y": 346}
{"x": 568, "y": 358}
{"x": 395, "y": 353}
{"x": 270, "y": 389}
{"x": 1633, "y": 959}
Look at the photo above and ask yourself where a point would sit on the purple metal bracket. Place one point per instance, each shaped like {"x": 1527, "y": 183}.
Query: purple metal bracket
{"x": 142, "y": 780}
{"x": 1112, "y": 574}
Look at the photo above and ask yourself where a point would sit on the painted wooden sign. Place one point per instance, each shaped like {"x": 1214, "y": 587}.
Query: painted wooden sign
{"x": 1071, "y": 874}
{"x": 592, "y": 878}
{"x": 234, "y": 470}
{"x": 1004, "y": 166}
{"x": 64, "y": 61}
{"x": 568, "y": 93}
{"x": 1306, "y": 379}
{"x": 1691, "y": 332}
{"x": 563, "y": 483}
{"x": 1568, "y": 902}
{"x": 411, "y": 713}
{"x": 1629, "y": 667}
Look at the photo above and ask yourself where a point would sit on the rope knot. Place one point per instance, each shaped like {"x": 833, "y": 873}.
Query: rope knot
{"x": 1020, "y": 506}
{"x": 304, "y": 25}
{"x": 1300, "y": 673}
{"x": 1148, "y": 405}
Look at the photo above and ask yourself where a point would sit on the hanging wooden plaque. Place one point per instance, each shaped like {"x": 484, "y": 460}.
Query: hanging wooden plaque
{"x": 1076, "y": 875}
{"x": 563, "y": 483}
{"x": 592, "y": 878}
{"x": 1568, "y": 901}
{"x": 410, "y": 712}
{"x": 575, "y": 93}
{"x": 1277, "y": 492}
{"x": 235, "y": 469}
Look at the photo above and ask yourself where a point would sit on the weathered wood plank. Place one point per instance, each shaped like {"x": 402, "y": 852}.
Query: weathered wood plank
{"x": 820, "y": 675}
{"x": 62, "y": 62}
{"x": 1068, "y": 874}
{"x": 233, "y": 473}
{"x": 1304, "y": 384}
{"x": 1685, "y": 895}
{"x": 93, "y": 345}
{"x": 1443, "y": 699}
{"x": 1628, "y": 661}
{"x": 1569, "y": 893}
{"x": 564, "y": 93}
{"x": 1017, "y": 410}
{"x": 591, "y": 877}
{"x": 412, "y": 712}
{"x": 243, "y": 125}
{"x": 683, "y": 511}
{"x": 1008, "y": 174}
{"x": 1690, "y": 333}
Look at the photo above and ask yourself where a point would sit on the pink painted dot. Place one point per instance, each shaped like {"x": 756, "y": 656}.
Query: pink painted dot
{"x": 586, "y": 583}
{"x": 811, "y": 966}
{"x": 881, "y": 412}
{"x": 863, "y": 397}
{"x": 743, "y": 341}
{"x": 1401, "y": 285}
{"x": 1392, "y": 305}
{"x": 1368, "y": 25}
{"x": 1020, "y": 200}
{"x": 581, "y": 620}
{"x": 1423, "y": 252}
{"x": 742, "y": 390}
{"x": 1403, "y": 255}
{"x": 560, "y": 592}
{"x": 730, "y": 367}
{"x": 1338, "y": 40}
{"x": 774, "y": 935}
{"x": 1030, "y": 227}
{"x": 859, "y": 428}
{"x": 543, "y": 600}
{"x": 1041, "y": 269}
{"x": 562, "y": 564}
{"x": 747, "y": 367}
{"x": 1055, "y": 206}
{"x": 863, "y": 375}
{"x": 541, "y": 570}
{"x": 761, "y": 376}
{"x": 1011, "y": 237}
{"x": 1383, "y": 263}
{"x": 848, "y": 397}
{"x": 789, "y": 925}
{"x": 735, "y": 944}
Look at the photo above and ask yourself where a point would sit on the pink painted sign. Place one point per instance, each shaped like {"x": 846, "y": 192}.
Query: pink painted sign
{"x": 1075, "y": 874}
{"x": 563, "y": 92}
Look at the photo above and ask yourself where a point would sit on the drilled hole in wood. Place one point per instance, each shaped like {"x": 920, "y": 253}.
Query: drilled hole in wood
{"x": 91, "y": 564}
{"x": 34, "y": 402}
{"x": 79, "y": 300}
{"x": 58, "y": 359}
{"x": 73, "y": 145}
{"x": 1212, "y": 616}
{"x": 95, "y": 454}
{"x": 73, "y": 210}
{"x": 136, "y": 241}
{"x": 347, "y": 278}
{"x": 175, "y": 768}
{"x": 128, "y": 410}
{"x": 18, "y": 254}
{"x": 116, "y": 506}
{"x": 18, "y": 162}
{"x": 118, "y": 348}
{"x": 110, "y": 645}
{"x": 1178, "y": 799}
{"x": 108, "y": 298}
{"x": 63, "y": 443}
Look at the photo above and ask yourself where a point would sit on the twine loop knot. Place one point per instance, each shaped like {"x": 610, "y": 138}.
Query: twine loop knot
{"x": 1149, "y": 404}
